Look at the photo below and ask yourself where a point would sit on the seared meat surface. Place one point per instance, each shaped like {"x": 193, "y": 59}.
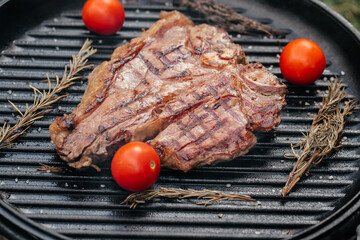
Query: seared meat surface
{"x": 184, "y": 89}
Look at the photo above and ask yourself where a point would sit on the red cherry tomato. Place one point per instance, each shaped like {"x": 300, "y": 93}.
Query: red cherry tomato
{"x": 104, "y": 17}
{"x": 135, "y": 166}
{"x": 302, "y": 61}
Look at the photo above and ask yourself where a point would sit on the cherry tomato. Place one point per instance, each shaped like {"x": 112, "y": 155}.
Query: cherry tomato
{"x": 104, "y": 17}
{"x": 135, "y": 166}
{"x": 302, "y": 61}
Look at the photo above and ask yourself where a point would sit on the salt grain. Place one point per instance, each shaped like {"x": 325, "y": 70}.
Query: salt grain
{"x": 257, "y": 233}
{"x": 66, "y": 184}
{"x": 282, "y": 161}
{"x": 238, "y": 36}
{"x": 57, "y": 48}
{"x": 321, "y": 177}
{"x": 100, "y": 41}
{"x": 278, "y": 55}
{"x": 137, "y": 11}
{"x": 342, "y": 73}
{"x": 331, "y": 177}
{"x": 220, "y": 215}
{"x": 250, "y": 47}
{"x": 9, "y": 92}
{"x": 228, "y": 185}
{"x": 102, "y": 186}
{"x": 16, "y": 180}
{"x": 27, "y": 181}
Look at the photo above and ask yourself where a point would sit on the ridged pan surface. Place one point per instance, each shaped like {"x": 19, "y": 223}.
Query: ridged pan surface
{"x": 86, "y": 205}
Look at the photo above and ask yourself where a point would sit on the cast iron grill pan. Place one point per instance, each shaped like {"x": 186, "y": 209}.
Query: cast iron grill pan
{"x": 86, "y": 205}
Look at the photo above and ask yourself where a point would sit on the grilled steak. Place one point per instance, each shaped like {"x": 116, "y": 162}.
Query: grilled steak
{"x": 184, "y": 89}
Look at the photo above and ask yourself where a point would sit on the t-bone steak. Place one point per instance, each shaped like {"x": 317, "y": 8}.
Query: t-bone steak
{"x": 186, "y": 90}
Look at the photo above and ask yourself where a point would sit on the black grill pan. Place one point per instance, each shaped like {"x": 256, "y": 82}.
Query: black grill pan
{"x": 39, "y": 37}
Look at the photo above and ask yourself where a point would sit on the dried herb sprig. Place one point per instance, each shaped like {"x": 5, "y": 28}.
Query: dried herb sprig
{"x": 43, "y": 100}
{"x": 226, "y": 17}
{"x": 212, "y": 196}
{"x": 324, "y": 135}
{"x": 47, "y": 168}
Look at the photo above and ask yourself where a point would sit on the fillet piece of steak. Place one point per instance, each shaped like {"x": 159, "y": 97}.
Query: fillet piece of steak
{"x": 183, "y": 88}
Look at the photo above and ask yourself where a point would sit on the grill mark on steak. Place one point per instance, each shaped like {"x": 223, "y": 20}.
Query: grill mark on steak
{"x": 223, "y": 103}
{"x": 194, "y": 109}
{"x": 210, "y": 132}
{"x": 134, "y": 99}
{"x": 173, "y": 48}
{"x": 167, "y": 63}
{"x": 148, "y": 64}
{"x": 186, "y": 131}
{"x": 182, "y": 56}
{"x": 117, "y": 64}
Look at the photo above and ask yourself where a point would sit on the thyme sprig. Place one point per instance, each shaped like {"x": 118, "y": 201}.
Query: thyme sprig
{"x": 227, "y": 18}
{"x": 43, "y": 100}
{"x": 212, "y": 196}
{"x": 324, "y": 135}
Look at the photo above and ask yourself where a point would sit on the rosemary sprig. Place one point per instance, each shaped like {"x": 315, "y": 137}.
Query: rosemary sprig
{"x": 212, "y": 196}
{"x": 324, "y": 135}
{"x": 43, "y": 100}
{"x": 47, "y": 168}
{"x": 227, "y": 18}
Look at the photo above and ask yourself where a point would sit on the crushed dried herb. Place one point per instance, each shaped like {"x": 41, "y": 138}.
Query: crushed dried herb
{"x": 324, "y": 136}
{"x": 212, "y": 196}
{"x": 43, "y": 100}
